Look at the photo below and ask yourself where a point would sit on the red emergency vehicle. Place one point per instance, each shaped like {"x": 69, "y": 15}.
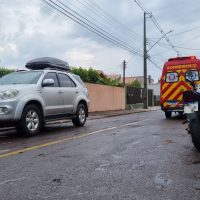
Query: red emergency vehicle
{"x": 173, "y": 83}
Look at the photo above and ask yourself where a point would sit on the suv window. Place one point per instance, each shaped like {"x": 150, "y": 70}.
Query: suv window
{"x": 79, "y": 80}
{"x": 52, "y": 75}
{"x": 65, "y": 81}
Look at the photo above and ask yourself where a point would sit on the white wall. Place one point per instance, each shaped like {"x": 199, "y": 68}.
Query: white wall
{"x": 156, "y": 88}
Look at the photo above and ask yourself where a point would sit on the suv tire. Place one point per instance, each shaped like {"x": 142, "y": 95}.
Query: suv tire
{"x": 31, "y": 121}
{"x": 80, "y": 118}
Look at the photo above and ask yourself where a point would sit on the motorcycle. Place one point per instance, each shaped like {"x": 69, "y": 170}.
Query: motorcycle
{"x": 191, "y": 100}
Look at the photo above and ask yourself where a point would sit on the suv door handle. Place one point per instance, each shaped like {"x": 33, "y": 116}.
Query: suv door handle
{"x": 76, "y": 91}
{"x": 60, "y": 91}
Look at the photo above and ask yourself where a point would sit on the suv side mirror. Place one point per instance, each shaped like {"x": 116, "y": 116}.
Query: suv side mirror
{"x": 48, "y": 82}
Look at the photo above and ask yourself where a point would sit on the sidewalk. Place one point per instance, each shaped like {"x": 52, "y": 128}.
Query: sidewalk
{"x": 104, "y": 114}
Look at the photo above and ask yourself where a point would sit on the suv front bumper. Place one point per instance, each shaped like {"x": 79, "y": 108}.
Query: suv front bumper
{"x": 9, "y": 110}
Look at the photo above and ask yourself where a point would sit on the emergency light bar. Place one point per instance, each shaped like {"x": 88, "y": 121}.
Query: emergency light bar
{"x": 183, "y": 58}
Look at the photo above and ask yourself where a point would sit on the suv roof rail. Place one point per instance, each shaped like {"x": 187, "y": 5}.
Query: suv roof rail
{"x": 21, "y": 70}
{"x": 58, "y": 69}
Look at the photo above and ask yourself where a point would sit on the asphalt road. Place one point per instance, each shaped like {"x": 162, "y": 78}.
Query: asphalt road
{"x": 135, "y": 157}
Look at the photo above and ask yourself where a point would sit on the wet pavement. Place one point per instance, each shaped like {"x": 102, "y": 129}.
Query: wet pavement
{"x": 135, "y": 156}
{"x": 103, "y": 114}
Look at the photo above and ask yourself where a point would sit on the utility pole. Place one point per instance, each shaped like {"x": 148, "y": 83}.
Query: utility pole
{"x": 124, "y": 67}
{"x": 145, "y": 97}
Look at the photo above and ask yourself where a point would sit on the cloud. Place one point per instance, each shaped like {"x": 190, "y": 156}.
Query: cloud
{"x": 29, "y": 30}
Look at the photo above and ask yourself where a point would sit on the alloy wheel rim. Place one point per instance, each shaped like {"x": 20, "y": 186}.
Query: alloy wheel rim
{"x": 82, "y": 115}
{"x": 32, "y": 120}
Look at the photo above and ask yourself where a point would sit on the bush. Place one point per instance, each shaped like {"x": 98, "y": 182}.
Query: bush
{"x": 108, "y": 81}
{"x": 136, "y": 84}
{"x": 4, "y": 71}
{"x": 83, "y": 73}
{"x": 92, "y": 76}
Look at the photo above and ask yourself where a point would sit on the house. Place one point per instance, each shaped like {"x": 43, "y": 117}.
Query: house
{"x": 155, "y": 87}
{"x": 156, "y": 92}
{"x": 114, "y": 76}
{"x": 129, "y": 80}
{"x": 101, "y": 74}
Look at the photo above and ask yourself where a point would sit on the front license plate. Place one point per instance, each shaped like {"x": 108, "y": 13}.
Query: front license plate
{"x": 191, "y": 107}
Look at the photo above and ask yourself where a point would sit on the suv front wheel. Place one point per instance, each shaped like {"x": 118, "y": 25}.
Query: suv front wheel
{"x": 31, "y": 121}
{"x": 80, "y": 118}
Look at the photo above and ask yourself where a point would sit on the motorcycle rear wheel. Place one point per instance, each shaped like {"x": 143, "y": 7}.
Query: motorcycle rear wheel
{"x": 194, "y": 131}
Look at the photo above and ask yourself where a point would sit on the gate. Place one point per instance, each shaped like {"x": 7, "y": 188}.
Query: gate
{"x": 150, "y": 97}
{"x": 134, "y": 95}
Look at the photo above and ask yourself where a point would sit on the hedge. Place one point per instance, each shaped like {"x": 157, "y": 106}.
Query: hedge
{"x": 4, "y": 71}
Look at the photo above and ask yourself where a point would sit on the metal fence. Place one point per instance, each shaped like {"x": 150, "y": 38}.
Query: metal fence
{"x": 135, "y": 96}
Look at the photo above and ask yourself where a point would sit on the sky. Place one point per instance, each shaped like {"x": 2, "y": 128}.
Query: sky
{"x": 32, "y": 29}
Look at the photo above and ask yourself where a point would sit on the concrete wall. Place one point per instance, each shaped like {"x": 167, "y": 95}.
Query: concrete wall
{"x": 103, "y": 98}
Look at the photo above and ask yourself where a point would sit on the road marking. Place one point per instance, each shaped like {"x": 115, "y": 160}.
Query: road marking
{"x": 12, "y": 180}
{"x": 133, "y": 123}
{"x": 3, "y": 151}
{"x": 12, "y": 153}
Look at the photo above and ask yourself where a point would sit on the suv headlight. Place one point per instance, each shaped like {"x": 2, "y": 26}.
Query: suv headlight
{"x": 9, "y": 94}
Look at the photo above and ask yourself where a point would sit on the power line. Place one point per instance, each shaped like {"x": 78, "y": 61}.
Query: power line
{"x": 161, "y": 59}
{"x": 52, "y": 11}
{"x": 91, "y": 10}
{"x": 193, "y": 38}
{"x": 46, "y": 9}
{"x": 110, "y": 17}
{"x": 93, "y": 24}
{"x": 180, "y": 47}
{"x": 186, "y": 31}
{"x": 156, "y": 65}
{"x": 153, "y": 19}
{"x": 89, "y": 26}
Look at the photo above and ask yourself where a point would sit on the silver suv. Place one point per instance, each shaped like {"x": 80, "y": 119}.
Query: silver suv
{"x": 28, "y": 99}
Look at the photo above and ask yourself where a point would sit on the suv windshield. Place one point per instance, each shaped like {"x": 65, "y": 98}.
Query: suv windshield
{"x": 29, "y": 77}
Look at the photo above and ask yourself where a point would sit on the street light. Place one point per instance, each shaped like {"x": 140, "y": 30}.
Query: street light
{"x": 159, "y": 40}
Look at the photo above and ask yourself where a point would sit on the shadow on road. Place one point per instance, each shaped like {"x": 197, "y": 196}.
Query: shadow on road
{"x": 49, "y": 132}
{"x": 178, "y": 117}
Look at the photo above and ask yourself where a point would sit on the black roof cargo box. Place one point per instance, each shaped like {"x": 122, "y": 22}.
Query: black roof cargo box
{"x": 47, "y": 62}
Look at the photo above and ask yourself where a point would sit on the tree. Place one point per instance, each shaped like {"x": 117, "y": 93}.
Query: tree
{"x": 83, "y": 73}
{"x": 93, "y": 75}
{"x": 136, "y": 84}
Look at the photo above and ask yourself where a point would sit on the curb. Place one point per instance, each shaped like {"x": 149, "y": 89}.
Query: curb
{"x": 118, "y": 114}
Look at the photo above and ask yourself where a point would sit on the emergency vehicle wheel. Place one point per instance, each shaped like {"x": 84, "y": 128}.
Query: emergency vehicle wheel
{"x": 168, "y": 114}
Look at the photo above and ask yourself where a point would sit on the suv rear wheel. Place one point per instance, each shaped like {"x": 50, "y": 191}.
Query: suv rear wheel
{"x": 80, "y": 118}
{"x": 31, "y": 121}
